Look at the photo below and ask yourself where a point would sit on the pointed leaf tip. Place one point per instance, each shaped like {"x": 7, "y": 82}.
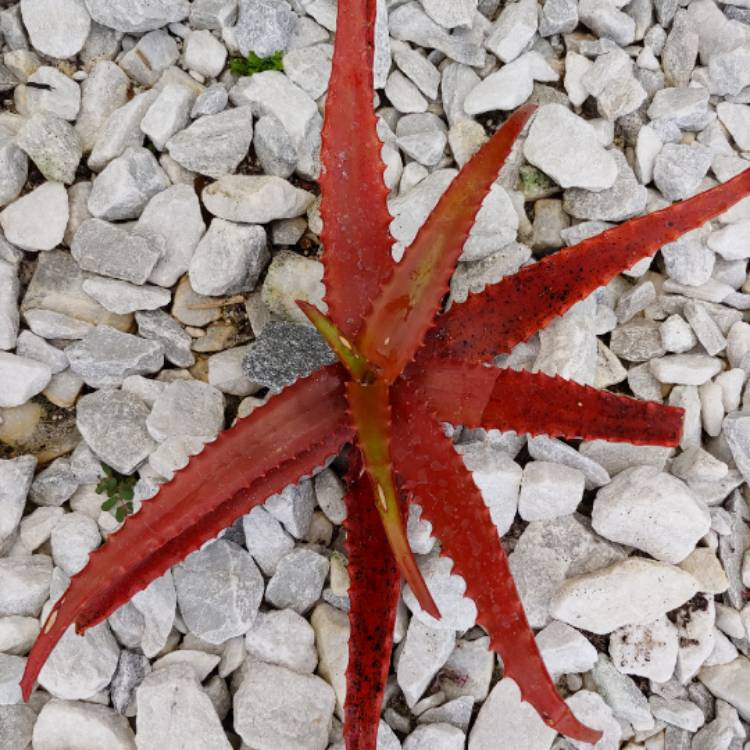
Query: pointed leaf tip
{"x": 404, "y": 310}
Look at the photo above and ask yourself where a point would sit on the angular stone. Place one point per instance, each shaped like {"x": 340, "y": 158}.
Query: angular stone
{"x": 53, "y": 145}
{"x": 513, "y": 30}
{"x": 625, "y": 199}
{"x": 647, "y": 650}
{"x": 292, "y": 277}
{"x": 159, "y": 326}
{"x": 13, "y": 168}
{"x": 298, "y": 580}
{"x": 105, "y": 357}
{"x": 21, "y": 379}
{"x": 424, "y": 652}
{"x": 565, "y": 650}
{"x": 108, "y": 249}
{"x": 549, "y": 490}
{"x": 634, "y": 591}
{"x": 498, "y": 478}
{"x": 56, "y": 29}
{"x": 255, "y": 199}
{"x": 173, "y": 223}
{"x": 589, "y": 708}
{"x": 267, "y": 541}
{"x": 169, "y": 114}
{"x": 113, "y": 424}
{"x": 731, "y": 683}
{"x": 505, "y": 721}
{"x": 187, "y": 408}
{"x": 121, "y": 129}
{"x": 219, "y": 590}
{"x": 26, "y": 582}
{"x": 15, "y": 480}
{"x": 204, "y": 54}
{"x": 263, "y": 27}
{"x": 73, "y": 538}
{"x": 679, "y": 169}
{"x": 275, "y": 707}
{"x": 136, "y": 16}
{"x": 122, "y": 297}
{"x": 20, "y": 220}
{"x": 622, "y": 695}
{"x": 283, "y": 638}
{"x": 651, "y": 511}
{"x": 77, "y": 724}
{"x": 214, "y": 145}
{"x": 104, "y": 91}
{"x": 48, "y": 91}
{"x": 175, "y": 712}
{"x": 566, "y": 148}
{"x": 229, "y": 259}
{"x": 126, "y": 185}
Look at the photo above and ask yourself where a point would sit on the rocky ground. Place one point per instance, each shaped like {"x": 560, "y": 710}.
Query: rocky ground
{"x": 159, "y": 217}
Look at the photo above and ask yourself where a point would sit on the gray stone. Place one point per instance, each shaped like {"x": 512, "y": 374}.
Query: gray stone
{"x": 549, "y": 490}
{"x": 132, "y": 668}
{"x": 679, "y": 169}
{"x": 134, "y": 16}
{"x": 272, "y": 93}
{"x": 590, "y": 709}
{"x": 687, "y": 108}
{"x": 543, "y": 448}
{"x": 15, "y": 480}
{"x": 566, "y": 148}
{"x": 424, "y": 652}
{"x": 293, "y": 507}
{"x": 565, "y": 650}
{"x": 74, "y": 724}
{"x": 109, "y": 250}
{"x": 113, "y": 424}
{"x": 548, "y": 553}
{"x": 176, "y": 341}
{"x": 168, "y": 115}
{"x": 16, "y": 726}
{"x": 622, "y": 695}
{"x": 212, "y": 101}
{"x": 310, "y": 68}
{"x": 106, "y": 356}
{"x": 173, "y": 223}
{"x": 468, "y": 670}
{"x": 214, "y": 145}
{"x": 255, "y": 199}
{"x": 126, "y": 185}
{"x": 285, "y": 352}
{"x": 651, "y": 511}
{"x": 21, "y": 379}
{"x": 20, "y": 220}
{"x": 266, "y": 539}
{"x": 438, "y": 736}
{"x": 203, "y": 53}
{"x": 510, "y": 86}
{"x": 498, "y": 478}
{"x": 187, "y": 408}
{"x": 409, "y": 23}
{"x": 26, "y": 582}
{"x": 283, "y": 638}
{"x": 73, "y": 538}
{"x": 513, "y": 30}
{"x": 275, "y": 707}
{"x": 54, "y": 485}
{"x": 56, "y": 29}
{"x": 647, "y": 650}
{"x": 633, "y": 591}
{"x": 154, "y": 53}
{"x": 219, "y": 590}
{"x": 48, "y": 91}
{"x": 11, "y": 669}
{"x": 104, "y": 91}
{"x": 13, "y": 168}
{"x": 729, "y": 72}
{"x": 34, "y": 347}
{"x": 457, "y": 612}
{"x": 229, "y": 259}
{"x": 173, "y": 711}
{"x": 685, "y": 369}
{"x": 9, "y": 317}
{"x": 274, "y": 147}
{"x": 688, "y": 260}
{"x": 263, "y": 27}
{"x": 558, "y": 17}
{"x": 122, "y": 127}
{"x": 606, "y": 20}
{"x": 298, "y": 580}
{"x": 507, "y": 719}
{"x": 122, "y": 297}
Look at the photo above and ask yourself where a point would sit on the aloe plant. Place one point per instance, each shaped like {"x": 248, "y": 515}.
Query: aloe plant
{"x": 405, "y": 367}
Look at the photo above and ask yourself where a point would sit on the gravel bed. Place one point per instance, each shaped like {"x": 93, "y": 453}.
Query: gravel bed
{"x": 160, "y": 216}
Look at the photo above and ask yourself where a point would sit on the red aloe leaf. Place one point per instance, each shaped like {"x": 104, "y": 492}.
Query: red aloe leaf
{"x": 477, "y": 396}
{"x": 404, "y": 310}
{"x": 371, "y": 415}
{"x": 355, "y": 237}
{"x": 432, "y": 471}
{"x": 288, "y": 437}
{"x": 373, "y": 595}
{"x": 518, "y": 306}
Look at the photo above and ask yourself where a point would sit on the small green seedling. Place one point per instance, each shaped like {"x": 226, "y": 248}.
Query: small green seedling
{"x": 247, "y": 66}
{"x": 119, "y": 490}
